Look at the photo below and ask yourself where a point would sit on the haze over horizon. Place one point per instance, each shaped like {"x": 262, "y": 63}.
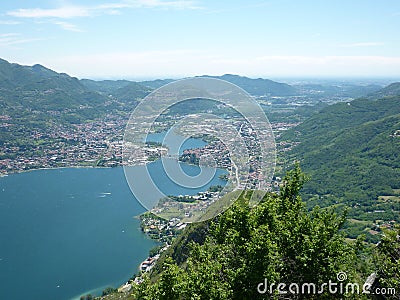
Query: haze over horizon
{"x": 175, "y": 38}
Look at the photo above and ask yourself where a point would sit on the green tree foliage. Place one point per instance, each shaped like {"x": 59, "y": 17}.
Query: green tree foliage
{"x": 278, "y": 240}
{"x": 387, "y": 256}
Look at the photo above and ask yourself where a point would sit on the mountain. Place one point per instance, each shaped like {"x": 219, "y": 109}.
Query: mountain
{"x": 133, "y": 91}
{"x": 155, "y": 84}
{"x": 259, "y": 86}
{"x": 111, "y": 86}
{"x": 122, "y": 90}
{"x": 41, "y": 89}
{"x": 36, "y": 101}
{"x": 352, "y": 153}
{"x": 104, "y": 86}
{"x": 391, "y": 90}
{"x": 37, "y": 77}
{"x": 333, "y": 89}
{"x": 255, "y": 87}
{"x": 128, "y": 90}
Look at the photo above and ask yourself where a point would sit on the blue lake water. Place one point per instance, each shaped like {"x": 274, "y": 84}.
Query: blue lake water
{"x": 68, "y": 232}
{"x": 65, "y": 232}
{"x": 175, "y": 141}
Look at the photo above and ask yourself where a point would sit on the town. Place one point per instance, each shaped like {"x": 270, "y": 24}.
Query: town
{"x": 97, "y": 143}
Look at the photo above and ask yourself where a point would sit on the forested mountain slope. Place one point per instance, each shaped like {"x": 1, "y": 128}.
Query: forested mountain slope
{"x": 352, "y": 153}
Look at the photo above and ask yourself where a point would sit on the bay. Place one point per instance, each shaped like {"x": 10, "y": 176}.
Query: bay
{"x": 68, "y": 232}
{"x": 175, "y": 142}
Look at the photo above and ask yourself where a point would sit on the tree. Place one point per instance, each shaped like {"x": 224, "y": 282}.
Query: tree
{"x": 278, "y": 240}
{"x": 171, "y": 283}
{"x": 388, "y": 261}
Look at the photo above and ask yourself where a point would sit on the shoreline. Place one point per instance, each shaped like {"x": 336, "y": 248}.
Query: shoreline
{"x": 76, "y": 166}
{"x": 55, "y": 168}
{"x": 93, "y": 167}
{"x": 121, "y": 164}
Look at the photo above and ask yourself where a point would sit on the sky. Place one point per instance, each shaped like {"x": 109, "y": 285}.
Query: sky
{"x": 143, "y": 39}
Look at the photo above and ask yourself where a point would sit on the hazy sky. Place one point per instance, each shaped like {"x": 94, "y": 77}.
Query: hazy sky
{"x": 156, "y": 38}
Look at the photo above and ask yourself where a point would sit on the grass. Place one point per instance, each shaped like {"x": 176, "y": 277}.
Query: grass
{"x": 220, "y": 206}
{"x": 389, "y": 198}
{"x": 169, "y": 213}
{"x": 396, "y": 191}
{"x": 359, "y": 221}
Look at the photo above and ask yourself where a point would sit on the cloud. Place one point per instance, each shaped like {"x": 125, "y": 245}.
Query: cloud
{"x": 364, "y": 44}
{"x": 10, "y": 39}
{"x": 68, "y": 12}
{"x": 9, "y": 22}
{"x": 68, "y": 26}
{"x": 235, "y": 8}
{"x": 62, "y": 12}
{"x": 11, "y": 34}
{"x": 178, "y": 4}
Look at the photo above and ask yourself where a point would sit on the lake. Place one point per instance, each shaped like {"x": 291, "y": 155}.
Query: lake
{"x": 65, "y": 232}
{"x": 73, "y": 231}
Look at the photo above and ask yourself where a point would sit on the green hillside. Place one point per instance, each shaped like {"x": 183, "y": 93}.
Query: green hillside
{"x": 132, "y": 92}
{"x": 104, "y": 86}
{"x": 14, "y": 76}
{"x": 36, "y": 88}
{"x": 391, "y": 90}
{"x": 352, "y": 153}
{"x": 155, "y": 84}
{"x": 259, "y": 86}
